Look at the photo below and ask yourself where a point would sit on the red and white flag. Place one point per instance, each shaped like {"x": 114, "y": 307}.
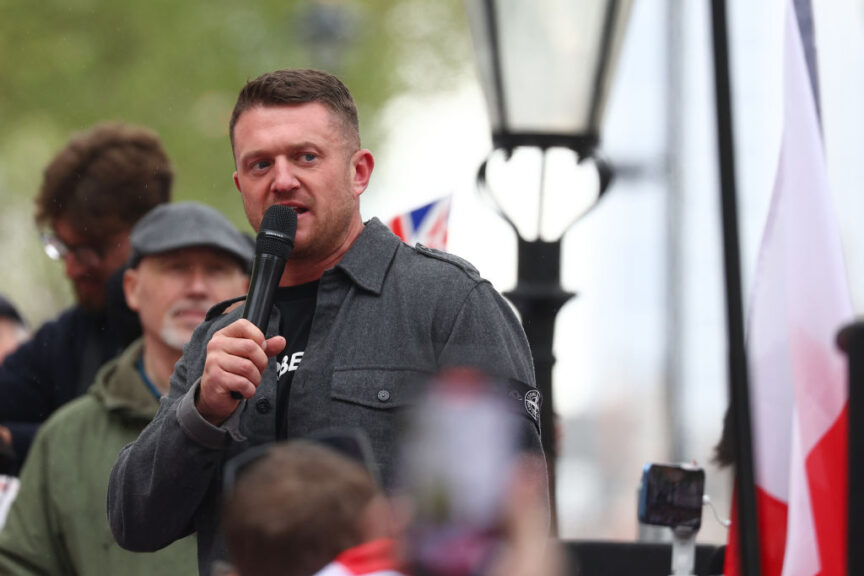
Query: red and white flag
{"x": 798, "y": 377}
{"x": 426, "y": 225}
{"x": 373, "y": 558}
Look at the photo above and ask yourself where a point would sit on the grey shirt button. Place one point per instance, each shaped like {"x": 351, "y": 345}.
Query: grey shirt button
{"x": 383, "y": 395}
{"x": 262, "y": 406}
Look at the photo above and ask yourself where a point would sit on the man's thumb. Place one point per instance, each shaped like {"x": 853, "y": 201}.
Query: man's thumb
{"x": 274, "y": 345}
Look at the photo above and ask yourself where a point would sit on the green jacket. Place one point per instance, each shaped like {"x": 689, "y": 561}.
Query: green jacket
{"x": 58, "y": 524}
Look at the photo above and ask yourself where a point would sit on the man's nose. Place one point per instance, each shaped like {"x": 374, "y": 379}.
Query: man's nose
{"x": 198, "y": 284}
{"x": 74, "y": 267}
{"x": 283, "y": 176}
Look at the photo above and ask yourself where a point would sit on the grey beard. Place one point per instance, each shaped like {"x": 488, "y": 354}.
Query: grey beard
{"x": 173, "y": 338}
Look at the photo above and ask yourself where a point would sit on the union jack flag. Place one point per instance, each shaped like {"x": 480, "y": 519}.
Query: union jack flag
{"x": 426, "y": 225}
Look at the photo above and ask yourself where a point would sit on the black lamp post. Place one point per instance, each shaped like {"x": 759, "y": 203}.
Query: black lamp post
{"x": 545, "y": 67}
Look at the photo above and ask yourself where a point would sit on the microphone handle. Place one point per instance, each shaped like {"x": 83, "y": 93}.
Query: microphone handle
{"x": 266, "y": 273}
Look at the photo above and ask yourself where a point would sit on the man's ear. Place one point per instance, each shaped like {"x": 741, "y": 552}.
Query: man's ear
{"x": 130, "y": 288}
{"x": 362, "y": 164}
{"x": 236, "y": 181}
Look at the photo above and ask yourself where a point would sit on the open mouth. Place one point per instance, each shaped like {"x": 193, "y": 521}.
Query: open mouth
{"x": 298, "y": 209}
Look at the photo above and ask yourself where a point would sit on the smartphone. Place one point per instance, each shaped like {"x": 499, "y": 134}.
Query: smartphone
{"x": 671, "y": 495}
{"x": 457, "y": 462}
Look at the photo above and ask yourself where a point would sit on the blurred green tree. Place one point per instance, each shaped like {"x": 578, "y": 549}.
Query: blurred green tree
{"x": 177, "y": 67}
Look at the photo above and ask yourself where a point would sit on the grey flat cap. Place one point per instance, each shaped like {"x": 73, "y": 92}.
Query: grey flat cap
{"x": 184, "y": 225}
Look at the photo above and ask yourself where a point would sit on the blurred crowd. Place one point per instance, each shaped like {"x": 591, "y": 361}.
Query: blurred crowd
{"x": 153, "y": 359}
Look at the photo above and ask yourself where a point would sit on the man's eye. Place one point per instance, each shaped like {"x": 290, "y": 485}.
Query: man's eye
{"x": 175, "y": 267}
{"x": 260, "y": 165}
{"x": 217, "y": 270}
{"x": 308, "y": 157}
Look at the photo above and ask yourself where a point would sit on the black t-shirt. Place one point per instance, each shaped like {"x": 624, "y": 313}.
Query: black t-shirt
{"x": 296, "y": 308}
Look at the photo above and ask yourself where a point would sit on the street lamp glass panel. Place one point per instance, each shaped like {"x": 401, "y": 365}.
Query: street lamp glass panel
{"x": 544, "y": 45}
{"x": 539, "y": 61}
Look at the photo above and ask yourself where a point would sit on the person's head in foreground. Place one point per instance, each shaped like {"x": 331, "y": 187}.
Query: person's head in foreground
{"x": 93, "y": 192}
{"x": 292, "y": 510}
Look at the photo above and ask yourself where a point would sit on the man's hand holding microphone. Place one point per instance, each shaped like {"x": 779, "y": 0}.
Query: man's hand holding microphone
{"x": 238, "y": 354}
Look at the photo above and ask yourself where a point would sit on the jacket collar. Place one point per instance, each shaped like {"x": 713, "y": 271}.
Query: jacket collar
{"x": 120, "y": 388}
{"x": 369, "y": 258}
{"x": 366, "y": 262}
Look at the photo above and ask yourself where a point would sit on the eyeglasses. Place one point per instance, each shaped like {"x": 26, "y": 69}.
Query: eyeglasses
{"x": 56, "y": 249}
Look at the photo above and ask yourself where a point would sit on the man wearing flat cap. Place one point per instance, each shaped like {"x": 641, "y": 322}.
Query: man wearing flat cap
{"x": 185, "y": 257}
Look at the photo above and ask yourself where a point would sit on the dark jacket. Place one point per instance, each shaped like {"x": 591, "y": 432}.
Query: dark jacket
{"x": 60, "y": 362}
{"x": 387, "y": 316}
{"x": 57, "y": 524}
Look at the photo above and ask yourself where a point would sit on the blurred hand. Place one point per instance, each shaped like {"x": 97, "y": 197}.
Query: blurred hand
{"x": 529, "y": 549}
{"x": 236, "y": 358}
{"x": 8, "y": 461}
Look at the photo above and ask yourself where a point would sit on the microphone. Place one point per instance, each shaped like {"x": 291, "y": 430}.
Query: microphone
{"x": 273, "y": 245}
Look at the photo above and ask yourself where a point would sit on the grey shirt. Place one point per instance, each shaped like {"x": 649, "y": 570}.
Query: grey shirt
{"x": 387, "y": 316}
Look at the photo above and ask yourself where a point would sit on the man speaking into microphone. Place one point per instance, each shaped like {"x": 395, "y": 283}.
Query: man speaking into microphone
{"x": 358, "y": 322}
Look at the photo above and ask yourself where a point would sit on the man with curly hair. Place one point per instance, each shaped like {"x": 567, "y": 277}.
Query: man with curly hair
{"x": 93, "y": 192}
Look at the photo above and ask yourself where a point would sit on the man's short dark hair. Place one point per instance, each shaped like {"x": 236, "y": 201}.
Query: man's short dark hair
{"x": 104, "y": 180}
{"x": 292, "y": 511}
{"x": 285, "y": 87}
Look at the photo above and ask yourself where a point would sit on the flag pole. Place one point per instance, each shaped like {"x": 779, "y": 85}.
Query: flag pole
{"x": 738, "y": 384}
{"x": 851, "y": 341}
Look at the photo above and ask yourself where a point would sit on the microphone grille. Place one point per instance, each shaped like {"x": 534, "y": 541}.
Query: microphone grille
{"x": 278, "y": 228}
{"x": 281, "y": 219}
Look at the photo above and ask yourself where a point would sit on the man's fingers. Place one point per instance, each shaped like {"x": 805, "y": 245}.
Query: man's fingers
{"x": 232, "y": 383}
{"x": 241, "y": 367}
{"x": 222, "y": 346}
{"x": 243, "y": 328}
